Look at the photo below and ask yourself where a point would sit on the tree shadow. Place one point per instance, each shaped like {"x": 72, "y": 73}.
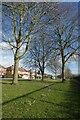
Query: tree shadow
{"x": 70, "y": 104}
{"x": 10, "y": 83}
{"x": 72, "y": 98}
{"x": 26, "y": 94}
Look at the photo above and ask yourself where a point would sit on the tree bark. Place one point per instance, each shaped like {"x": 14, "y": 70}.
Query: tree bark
{"x": 16, "y": 65}
{"x": 42, "y": 75}
{"x": 35, "y": 74}
{"x": 63, "y": 65}
{"x": 15, "y": 76}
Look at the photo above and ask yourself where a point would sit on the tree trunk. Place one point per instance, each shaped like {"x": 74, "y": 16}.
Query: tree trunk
{"x": 63, "y": 64}
{"x": 15, "y": 76}
{"x": 35, "y": 74}
{"x": 63, "y": 72}
{"x": 16, "y": 66}
{"x": 42, "y": 76}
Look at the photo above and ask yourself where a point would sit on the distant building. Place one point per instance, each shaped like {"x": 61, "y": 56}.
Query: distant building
{"x": 2, "y": 70}
{"x": 59, "y": 76}
{"x": 10, "y": 70}
{"x": 25, "y": 74}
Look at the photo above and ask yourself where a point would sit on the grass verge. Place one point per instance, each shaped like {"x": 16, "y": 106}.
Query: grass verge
{"x": 32, "y": 99}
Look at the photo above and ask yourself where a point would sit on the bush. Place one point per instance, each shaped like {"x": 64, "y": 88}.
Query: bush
{"x": 7, "y": 76}
{"x": 76, "y": 77}
{"x": 10, "y": 76}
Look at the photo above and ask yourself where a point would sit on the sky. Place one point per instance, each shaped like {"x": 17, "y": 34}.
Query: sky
{"x": 7, "y": 58}
{"x": 73, "y": 67}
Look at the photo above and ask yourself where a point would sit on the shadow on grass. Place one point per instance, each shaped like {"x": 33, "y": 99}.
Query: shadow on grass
{"x": 72, "y": 100}
{"x": 30, "y": 80}
{"x": 70, "y": 104}
{"x": 48, "y": 81}
{"x": 7, "y": 83}
{"x": 26, "y": 94}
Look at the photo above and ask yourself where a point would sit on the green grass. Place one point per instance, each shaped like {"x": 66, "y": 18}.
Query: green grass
{"x": 32, "y": 99}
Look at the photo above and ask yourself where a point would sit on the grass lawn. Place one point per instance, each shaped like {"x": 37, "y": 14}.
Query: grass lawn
{"x": 32, "y": 99}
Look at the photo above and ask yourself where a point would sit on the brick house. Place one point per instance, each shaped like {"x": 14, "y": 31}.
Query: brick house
{"x": 2, "y": 70}
{"x": 10, "y": 70}
{"x": 26, "y": 74}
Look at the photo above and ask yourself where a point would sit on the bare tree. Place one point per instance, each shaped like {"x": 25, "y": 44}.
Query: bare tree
{"x": 40, "y": 52}
{"x": 54, "y": 65}
{"x": 63, "y": 28}
{"x": 20, "y": 22}
{"x": 68, "y": 73}
{"x": 66, "y": 34}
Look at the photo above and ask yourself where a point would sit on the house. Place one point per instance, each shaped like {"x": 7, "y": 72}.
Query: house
{"x": 29, "y": 74}
{"x": 25, "y": 74}
{"x": 10, "y": 70}
{"x": 2, "y": 70}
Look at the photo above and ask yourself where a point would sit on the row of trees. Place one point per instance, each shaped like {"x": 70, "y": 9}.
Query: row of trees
{"x": 42, "y": 31}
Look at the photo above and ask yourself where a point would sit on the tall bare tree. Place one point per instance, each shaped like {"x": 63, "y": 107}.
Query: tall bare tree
{"x": 66, "y": 33}
{"x": 40, "y": 52}
{"x": 20, "y": 22}
{"x": 54, "y": 65}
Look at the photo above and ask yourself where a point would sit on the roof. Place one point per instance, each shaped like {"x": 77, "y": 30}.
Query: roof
{"x": 10, "y": 68}
{"x": 2, "y": 67}
{"x": 22, "y": 69}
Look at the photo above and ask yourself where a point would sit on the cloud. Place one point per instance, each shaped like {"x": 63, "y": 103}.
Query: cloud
{"x": 4, "y": 46}
{"x": 7, "y": 62}
{"x": 6, "y": 56}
